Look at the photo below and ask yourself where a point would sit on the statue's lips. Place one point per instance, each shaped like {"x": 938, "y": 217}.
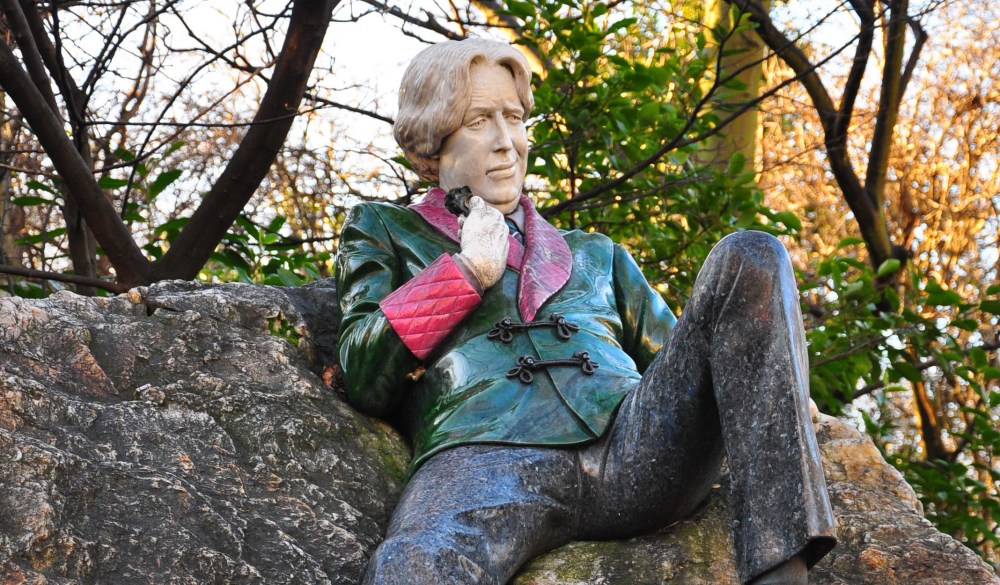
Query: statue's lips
{"x": 502, "y": 171}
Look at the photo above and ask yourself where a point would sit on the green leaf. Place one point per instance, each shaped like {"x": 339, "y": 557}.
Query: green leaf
{"x": 623, "y": 23}
{"x": 124, "y": 154}
{"x": 649, "y": 112}
{"x": 520, "y": 9}
{"x": 289, "y": 278}
{"x": 938, "y": 295}
{"x": 162, "y": 181}
{"x": 990, "y": 306}
{"x": 111, "y": 183}
{"x": 849, "y": 242}
{"x": 38, "y": 238}
{"x": 854, "y": 290}
{"x": 993, "y": 289}
{"x": 736, "y": 163}
{"x": 789, "y": 219}
{"x": 907, "y": 371}
{"x": 276, "y": 223}
{"x": 32, "y": 201}
{"x": 40, "y": 187}
{"x": 175, "y": 147}
{"x": 170, "y": 227}
{"x": 890, "y": 266}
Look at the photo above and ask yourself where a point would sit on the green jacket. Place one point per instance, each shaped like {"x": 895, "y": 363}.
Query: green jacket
{"x": 464, "y": 388}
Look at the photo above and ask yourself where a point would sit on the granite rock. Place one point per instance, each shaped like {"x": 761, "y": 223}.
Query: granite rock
{"x": 165, "y": 436}
{"x": 187, "y": 433}
{"x": 883, "y": 537}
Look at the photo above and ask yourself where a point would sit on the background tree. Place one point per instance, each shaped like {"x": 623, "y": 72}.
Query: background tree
{"x": 928, "y": 366}
{"x": 870, "y": 122}
{"x": 57, "y": 47}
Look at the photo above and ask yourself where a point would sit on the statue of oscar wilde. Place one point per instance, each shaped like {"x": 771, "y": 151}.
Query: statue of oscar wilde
{"x": 549, "y": 393}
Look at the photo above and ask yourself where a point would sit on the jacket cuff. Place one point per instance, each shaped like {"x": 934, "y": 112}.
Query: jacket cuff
{"x": 470, "y": 274}
{"x": 425, "y": 310}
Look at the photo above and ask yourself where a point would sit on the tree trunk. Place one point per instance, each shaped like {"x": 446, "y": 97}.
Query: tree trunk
{"x": 12, "y": 217}
{"x": 743, "y": 61}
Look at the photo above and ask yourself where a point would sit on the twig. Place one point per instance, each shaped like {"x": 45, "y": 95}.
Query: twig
{"x": 926, "y": 364}
{"x": 70, "y": 278}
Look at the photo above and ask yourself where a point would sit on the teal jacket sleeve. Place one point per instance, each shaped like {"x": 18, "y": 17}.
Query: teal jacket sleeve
{"x": 374, "y": 359}
{"x": 646, "y": 319}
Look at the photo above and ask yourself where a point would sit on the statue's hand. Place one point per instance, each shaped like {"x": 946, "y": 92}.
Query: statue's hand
{"x": 484, "y": 242}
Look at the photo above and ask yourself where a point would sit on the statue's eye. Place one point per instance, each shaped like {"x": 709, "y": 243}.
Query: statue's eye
{"x": 478, "y": 122}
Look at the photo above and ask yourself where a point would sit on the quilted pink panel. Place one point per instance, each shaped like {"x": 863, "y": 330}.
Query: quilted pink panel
{"x": 426, "y": 309}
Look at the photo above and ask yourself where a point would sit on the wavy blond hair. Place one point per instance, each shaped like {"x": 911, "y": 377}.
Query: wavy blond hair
{"x": 435, "y": 93}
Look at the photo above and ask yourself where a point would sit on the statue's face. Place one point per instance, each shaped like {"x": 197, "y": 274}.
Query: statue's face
{"x": 489, "y": 152}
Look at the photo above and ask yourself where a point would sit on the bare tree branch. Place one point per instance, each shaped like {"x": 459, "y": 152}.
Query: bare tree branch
{"x": 341, "y": 106}
{"x": 888, "y": 102}
{"x": 680, "y": 141}
{"x": 862, "y": 53}
{"x": 252, "y": 159}
{"x": 924, "y": 365}
{"x": 60, "y": 277}
{"x": 919, "y": 38}
{"x": 429, "y": 22}
{"x": 870, "y": 218}
{"x": 29, "y": 50}
{"x": 77, "y": 177}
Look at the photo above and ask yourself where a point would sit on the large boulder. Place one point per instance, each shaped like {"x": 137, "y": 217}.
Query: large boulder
{"x": 883, "y": 538}
{"x": 166, "y": 436}
{"x": 185, "y": 433}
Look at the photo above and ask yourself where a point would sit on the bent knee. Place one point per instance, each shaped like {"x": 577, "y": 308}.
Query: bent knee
{"x": 759, "y": 248}
{"x": 412, "y": 560}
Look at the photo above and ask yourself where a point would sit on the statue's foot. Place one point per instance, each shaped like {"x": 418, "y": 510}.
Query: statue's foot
{"x": 791, "y": 572}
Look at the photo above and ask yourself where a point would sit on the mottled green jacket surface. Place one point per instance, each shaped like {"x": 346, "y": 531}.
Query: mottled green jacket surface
{"x": 464, "y": 395}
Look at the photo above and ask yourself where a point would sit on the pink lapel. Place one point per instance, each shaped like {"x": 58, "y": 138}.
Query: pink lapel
{"x": 545, "y": 263}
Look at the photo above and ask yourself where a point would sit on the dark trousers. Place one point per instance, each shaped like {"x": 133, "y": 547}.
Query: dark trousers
{"x": 732, "y": 380}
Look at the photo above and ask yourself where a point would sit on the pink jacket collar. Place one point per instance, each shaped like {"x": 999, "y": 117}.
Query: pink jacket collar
{"x": 545, "y": 261}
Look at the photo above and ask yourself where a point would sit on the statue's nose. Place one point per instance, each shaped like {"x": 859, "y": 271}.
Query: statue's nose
{"x": 502, "y": 140}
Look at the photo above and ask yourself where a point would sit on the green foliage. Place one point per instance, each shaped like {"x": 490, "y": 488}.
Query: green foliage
{"x": 916, "y": 342}
{"x": 249, "y": 253}
{"x": 258, "y": 254}
{"x": 617, "y": 91}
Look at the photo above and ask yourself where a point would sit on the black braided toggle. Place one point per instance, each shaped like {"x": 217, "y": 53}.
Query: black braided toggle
{"x": 505, "y": 328}
{"x": 527, "y": 364}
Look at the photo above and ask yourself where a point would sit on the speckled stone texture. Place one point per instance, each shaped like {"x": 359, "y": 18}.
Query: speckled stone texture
{"x": 165, "y": 436}
{"x": 884, "y": 540}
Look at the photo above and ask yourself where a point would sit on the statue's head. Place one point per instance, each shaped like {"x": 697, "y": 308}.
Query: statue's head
{"x": 462, "y": 107}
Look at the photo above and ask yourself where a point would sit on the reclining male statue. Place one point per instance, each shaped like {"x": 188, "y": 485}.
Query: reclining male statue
{"x": 549, "y": 393}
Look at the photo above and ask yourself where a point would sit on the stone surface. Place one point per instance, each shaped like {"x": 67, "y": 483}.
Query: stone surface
{"x": 165, "y": 437}
{"x": 182, "y": 433}
{"x": 884, "y": 540}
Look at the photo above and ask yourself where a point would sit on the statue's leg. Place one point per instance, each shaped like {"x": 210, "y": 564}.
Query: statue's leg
{"x": 475, "y": 514}
{"x": 733, "y": 375}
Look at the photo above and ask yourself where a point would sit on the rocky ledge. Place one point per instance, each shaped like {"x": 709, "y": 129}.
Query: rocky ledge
{"x": 185, "y": 433}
